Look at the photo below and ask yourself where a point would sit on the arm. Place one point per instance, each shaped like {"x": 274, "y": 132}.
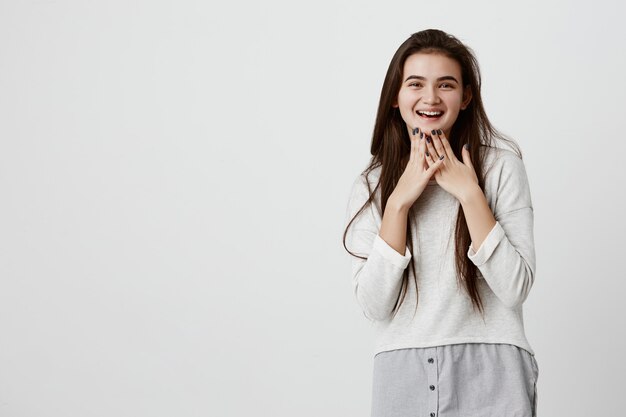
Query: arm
{"x": 478, "y": 215}
{"x": 393, "y": 227}
{"x": 376, "y": 281}
{"x": 506, "y": 251}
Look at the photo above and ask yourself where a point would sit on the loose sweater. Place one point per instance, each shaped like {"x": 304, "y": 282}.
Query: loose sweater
{"x": 505, "y": 262}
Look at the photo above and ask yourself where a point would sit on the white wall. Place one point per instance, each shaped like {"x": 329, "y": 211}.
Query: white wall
{"x": 173, "y": 181}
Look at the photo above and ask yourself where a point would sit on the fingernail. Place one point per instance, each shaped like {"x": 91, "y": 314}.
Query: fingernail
{"x": 439, "y": 132}
{"x": 441, "y": 157}
{"x": 427, "y": 138}
{"x": 421, "y": 135}
{"x": 466, "y": 146}
{"x": 434, "y": 132}
{"x": 427, "y": 154}
{"x": 415, "y": 130}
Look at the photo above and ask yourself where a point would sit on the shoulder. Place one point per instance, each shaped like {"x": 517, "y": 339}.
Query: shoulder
{"x": 506, "y": 180}
{"x": 366, "y": 181}
{"x": 501, "y": 158}
{"x": 363, "y": 186}
{"x": 500, "y": 164}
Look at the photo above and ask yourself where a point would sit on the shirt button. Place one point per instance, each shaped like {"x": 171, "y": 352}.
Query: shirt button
{"x": 432, "y": 387}
{"x": 430, "y": 360}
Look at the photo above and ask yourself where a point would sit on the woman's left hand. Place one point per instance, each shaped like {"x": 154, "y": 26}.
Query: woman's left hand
{"x": 456, "y": 177}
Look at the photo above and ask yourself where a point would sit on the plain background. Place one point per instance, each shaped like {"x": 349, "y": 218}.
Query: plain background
{"x": 174, "y": 177}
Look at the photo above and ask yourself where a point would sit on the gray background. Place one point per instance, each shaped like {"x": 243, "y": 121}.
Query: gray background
{"x": 174, "y": 177}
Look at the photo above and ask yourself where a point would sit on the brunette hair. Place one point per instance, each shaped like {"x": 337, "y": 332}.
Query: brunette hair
{"x": 391, "y": 145}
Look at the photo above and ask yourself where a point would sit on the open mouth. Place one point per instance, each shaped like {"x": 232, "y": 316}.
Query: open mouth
{"x": 431, "y": 115}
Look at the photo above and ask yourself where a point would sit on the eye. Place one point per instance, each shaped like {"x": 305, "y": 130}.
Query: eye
{"x": 447, "y": 85}
{"x": 416, "y": 84}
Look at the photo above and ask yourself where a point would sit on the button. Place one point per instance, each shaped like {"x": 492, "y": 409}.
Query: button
{"x": 432, "y": 387}
{"x": 432, "y": 414}
{"x": 430, "y": 360}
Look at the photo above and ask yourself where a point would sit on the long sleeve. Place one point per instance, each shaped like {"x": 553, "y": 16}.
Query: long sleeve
{"x": 506, "y": 258}
{"x": 376, "y": 281}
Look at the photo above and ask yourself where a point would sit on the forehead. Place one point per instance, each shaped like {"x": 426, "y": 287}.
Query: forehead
{"x": 431, "y": 65}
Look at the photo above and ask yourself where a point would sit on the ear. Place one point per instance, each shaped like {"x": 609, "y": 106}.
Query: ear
{"x": 467, "y": 97}
{"x": 395, "y": 104}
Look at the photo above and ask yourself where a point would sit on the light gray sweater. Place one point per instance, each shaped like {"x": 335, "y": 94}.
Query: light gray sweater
{"x": 505, "y": 260}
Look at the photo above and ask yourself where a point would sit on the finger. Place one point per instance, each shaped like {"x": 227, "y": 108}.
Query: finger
{"x": 446, "y": 144}
{"x": 435, "y": 165}
{"x": 414, "y": 145}
{"x": 436, "y": 140}
{"x": 412, "y": 150}
{"x": 428, "y": 156}
{"x": 421, "y": 148}
{"x": 431, "y": 146}
{"x": 465, "y": 154}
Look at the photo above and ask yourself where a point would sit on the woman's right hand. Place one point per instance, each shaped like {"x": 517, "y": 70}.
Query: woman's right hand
{"x": 416, "y": 174}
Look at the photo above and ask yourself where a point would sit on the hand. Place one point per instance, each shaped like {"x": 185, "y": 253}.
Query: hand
{"x": 416, "y": 175}
{"x": 454, "y": 176}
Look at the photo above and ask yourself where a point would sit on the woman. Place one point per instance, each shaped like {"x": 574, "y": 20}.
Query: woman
{"x": 440, "y": 226}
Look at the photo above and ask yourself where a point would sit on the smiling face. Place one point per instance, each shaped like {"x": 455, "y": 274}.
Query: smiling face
{"x": 432, "y": 92}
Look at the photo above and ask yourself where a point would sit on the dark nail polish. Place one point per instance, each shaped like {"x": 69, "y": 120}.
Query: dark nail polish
{"x": 415, "y": 130}
{"x": 434, "y": 132}
{"x": 466, "y": 146}
{"x": 427, "y": 154}
{"x": 421, "y": 135}
{"x": 427, "y": 138}
{"x": 441, "y": 157}
{"x": 439, "y": 132}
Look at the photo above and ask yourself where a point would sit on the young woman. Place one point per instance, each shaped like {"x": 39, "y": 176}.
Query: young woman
{"x": 440, "y": 226}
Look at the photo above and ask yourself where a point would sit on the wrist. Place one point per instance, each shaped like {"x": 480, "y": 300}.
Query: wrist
{"x": 396, "y": 206}
{"x": 471, "y": 194}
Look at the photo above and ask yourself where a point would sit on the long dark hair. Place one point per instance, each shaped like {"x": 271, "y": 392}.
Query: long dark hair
{"x": 391, "y": 145}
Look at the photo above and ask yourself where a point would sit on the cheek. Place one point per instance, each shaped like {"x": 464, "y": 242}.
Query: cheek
{"x": 406, "y": 104}
{"x": 458, "y": 100}
{"x": 408, "y": 95}
{"x": 404, "y": 98}
{"x": 453, "y": 110}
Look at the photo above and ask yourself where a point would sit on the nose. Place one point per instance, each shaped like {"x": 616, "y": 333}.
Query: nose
{"x": 430, "y": 95}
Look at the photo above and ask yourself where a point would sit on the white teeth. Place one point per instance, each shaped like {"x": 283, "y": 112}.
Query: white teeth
{"x": 430, "y": 113}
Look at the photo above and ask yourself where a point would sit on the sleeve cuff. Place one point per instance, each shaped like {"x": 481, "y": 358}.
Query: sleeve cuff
{"x": 487, "y": 247}
{"x": 391, "y": 254}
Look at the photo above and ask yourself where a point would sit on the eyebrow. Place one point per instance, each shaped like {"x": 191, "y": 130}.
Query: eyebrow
{"x": 445, "y": 77}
